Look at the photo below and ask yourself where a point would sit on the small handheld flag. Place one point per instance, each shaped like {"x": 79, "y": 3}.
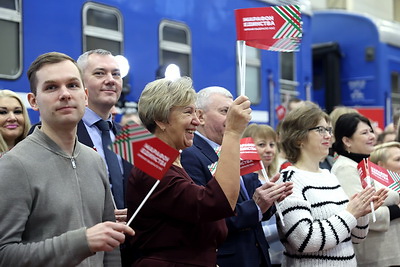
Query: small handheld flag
{"x": 275, "y": 28}
{"x": 250, "y": 161}
{"x": 148, "y": 153}
{"x": 141, "y": 148}
{"x": 366, "y": 180}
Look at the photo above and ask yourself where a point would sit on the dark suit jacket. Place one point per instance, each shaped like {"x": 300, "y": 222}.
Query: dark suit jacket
{"x": 84, "y": 138}
{"x": 246, "y": 244}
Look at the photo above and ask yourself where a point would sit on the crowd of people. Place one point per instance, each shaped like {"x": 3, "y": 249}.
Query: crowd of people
{"x": 67, "y": 197}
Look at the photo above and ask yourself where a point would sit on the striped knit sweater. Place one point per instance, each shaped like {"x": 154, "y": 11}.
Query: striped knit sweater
{"x": 318, "y": 230}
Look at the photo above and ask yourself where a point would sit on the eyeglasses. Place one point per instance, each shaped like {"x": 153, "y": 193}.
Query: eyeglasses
{"x": 322, "y": 130}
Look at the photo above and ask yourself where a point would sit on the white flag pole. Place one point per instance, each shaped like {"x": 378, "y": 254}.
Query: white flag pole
{"x": 370, "y": 184}
{"x": 144, "y": 201}
{"x": 278, "y": 209}
{"x": 241, "y": 49}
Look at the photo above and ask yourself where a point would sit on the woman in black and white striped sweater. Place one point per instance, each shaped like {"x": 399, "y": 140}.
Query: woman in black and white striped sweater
{"x": 320, "y": 221}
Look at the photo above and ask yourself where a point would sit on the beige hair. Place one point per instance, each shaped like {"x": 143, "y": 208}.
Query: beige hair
{"x": 295, "y": 127}
{"x": 339, "y": 111}
{"x": 159, "y": 96}
{"x": 27, "y": 122}
{"x": 262, "y": 131}
{"x": 380, "y": 152}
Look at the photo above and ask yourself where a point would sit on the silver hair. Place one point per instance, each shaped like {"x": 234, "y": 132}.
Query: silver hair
{"x": 83, "y": 59}
{"x": 203, "y": 96}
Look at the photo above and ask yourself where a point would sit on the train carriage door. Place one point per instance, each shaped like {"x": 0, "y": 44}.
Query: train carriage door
{"x": 11, "y": 43}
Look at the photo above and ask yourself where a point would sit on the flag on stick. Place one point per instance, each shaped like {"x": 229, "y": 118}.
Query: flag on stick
{"x": 364, "y": 171}
{"x": 385, "y": 177}
{"x": 148, "y": 153}
{"x": 276, "y": 28}
{"x": 249, "y": 158}
{"x": 250, "y": 161}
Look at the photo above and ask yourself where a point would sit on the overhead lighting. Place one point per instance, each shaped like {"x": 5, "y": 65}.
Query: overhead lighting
{"x": 123, "y": 65}
{"x": 172, "y": 72}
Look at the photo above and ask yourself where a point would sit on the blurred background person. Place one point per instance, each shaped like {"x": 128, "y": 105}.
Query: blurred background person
{"x": 294, "y": 103}
{"x": 336, "y": 113}
{"x": 114, "y": 112}
{"x": 395, "y": 122}
{"x": 14, "y": 120}
{"x": 132, "y": 116}
{"x": 386, "y": 136}
{"x": 354, "y": 142}
{"x": 265, "y": 139}
{"x": 320, "y": 221}
{"x": 387, "y": 155}
{"x": 182, "y": 223}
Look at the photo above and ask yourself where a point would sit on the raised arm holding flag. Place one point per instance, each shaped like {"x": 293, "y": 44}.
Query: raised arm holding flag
{"x": 182, "y": 222}
{"x": 254, "y": 204}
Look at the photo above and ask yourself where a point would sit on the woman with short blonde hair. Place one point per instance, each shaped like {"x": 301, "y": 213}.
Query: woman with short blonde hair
{"x": 387, "y": 155}
{"x": 182, "y": 224}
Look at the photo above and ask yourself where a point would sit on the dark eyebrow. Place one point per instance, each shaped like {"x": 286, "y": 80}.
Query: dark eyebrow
{"x": 72, "y": 79}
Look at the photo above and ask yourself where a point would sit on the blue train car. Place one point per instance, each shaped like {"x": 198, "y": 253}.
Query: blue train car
{"x": 198, "y": 36}
{"x": 356, "y": 63}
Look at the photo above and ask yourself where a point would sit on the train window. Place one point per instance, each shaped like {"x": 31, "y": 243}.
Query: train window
{"x": 288, "y": 83}
{"x": 175, "y": 46}
{"x": 395, "y": 84}
{"x": 10, "y": 4}
{"x": 102, "y": 28}
{"x": 10, "y": 26}
{"x": 253, "y": 75}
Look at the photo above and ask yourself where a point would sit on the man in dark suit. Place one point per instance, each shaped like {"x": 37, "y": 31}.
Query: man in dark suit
{"x": 103, "y": 81}
{"x": 246, "y": 244}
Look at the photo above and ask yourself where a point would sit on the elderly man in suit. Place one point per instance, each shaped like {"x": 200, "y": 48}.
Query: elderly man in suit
{"x": 246, "y": 244}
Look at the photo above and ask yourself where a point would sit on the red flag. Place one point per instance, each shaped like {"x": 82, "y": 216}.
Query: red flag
{"x": 276, "y": 28}
{"x": 385, "y": 177}
{"x": 281, "y": 112}
{"x": 249, "y": 157}
{"x": 148, "y": 153}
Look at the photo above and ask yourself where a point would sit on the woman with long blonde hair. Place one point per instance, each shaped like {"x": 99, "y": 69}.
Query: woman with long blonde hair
{"x": 14, "y": 120}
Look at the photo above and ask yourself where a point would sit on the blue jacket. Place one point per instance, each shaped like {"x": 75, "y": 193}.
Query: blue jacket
{"x": 245, "y": 245}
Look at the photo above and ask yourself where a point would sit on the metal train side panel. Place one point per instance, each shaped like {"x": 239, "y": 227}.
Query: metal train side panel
{"x": 57, "y": 26}
{"x": 367, "y": 60}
